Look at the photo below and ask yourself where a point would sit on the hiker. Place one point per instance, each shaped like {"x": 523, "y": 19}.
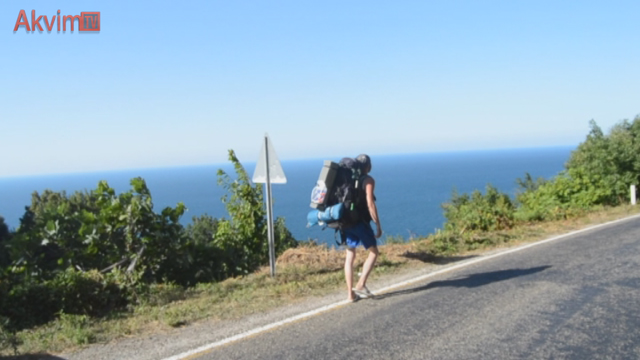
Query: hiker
{"x": 362, "y": 234}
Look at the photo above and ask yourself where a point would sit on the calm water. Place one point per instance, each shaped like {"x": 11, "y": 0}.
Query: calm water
{"x": 410, "y": 188}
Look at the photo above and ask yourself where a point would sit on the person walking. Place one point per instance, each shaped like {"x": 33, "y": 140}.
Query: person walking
{"x": 362, "y": 234}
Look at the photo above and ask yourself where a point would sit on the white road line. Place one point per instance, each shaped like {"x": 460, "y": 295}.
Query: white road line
{"x": 308, "y": 314}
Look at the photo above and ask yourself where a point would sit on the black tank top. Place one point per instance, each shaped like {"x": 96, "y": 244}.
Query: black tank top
{"x": 361, "y": 205}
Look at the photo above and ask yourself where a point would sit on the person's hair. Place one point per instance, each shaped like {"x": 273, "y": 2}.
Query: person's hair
{"x": 364, "y": 160}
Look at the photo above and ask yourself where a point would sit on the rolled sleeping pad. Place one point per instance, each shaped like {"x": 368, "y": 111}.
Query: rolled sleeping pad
{"x": 330, "y": 214}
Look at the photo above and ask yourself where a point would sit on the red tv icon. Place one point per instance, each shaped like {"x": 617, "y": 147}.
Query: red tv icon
{"x": 90, "y": 21}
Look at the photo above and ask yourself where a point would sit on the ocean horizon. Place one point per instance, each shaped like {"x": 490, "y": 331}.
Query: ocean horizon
{"x": 410, "y": 188}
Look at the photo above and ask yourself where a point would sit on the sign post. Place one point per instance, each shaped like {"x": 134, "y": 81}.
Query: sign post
{"x": 269, "y": 171}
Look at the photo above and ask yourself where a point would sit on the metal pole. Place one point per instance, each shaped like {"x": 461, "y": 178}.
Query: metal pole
{"x": 272, "y": 255}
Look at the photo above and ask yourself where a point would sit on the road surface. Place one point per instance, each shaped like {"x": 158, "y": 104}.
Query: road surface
{"x": 575, "y": 298}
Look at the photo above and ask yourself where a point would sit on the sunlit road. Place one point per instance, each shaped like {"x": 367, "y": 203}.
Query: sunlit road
{"x": 576, "y": 298}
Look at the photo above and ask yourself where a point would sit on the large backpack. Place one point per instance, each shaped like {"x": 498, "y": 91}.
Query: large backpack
{"x": 339, "y": 208}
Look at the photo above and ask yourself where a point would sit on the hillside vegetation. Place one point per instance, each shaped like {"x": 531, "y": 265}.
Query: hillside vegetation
{"x": 93, "y": 253}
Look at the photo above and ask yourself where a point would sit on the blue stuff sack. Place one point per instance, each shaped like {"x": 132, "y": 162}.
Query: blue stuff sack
{"x": 330, "y": 214}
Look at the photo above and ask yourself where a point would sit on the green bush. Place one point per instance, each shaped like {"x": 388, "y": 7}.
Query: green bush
{"x": 216, "y": 249}
{"x": 88, "y": 293}
{"x": 30, "y": 303}
{"x": 242, "y": 239}
{"x": 479, "y": 212}
{"x": 96, "y": 230}
{"x": 8, "y": 338}
{"x": 606, "y": 165}
{"x": 599, "y": 172}
{"x": 283, "y": 238}
{"x": 544, "y": 200}
{"x": 5, "y": 237}
{"x": 202, "y": 229}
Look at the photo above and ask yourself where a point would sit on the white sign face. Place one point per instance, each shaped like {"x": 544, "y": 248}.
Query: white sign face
{"x": 268, "y": 155}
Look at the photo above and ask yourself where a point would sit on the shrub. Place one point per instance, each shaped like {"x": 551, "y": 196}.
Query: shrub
{"x": 88, "y": 293}
{"x": 95, "y": 230}
{"x": 5, "y": 237}
{"x": 283, "y": 238}
{"x": 599, "y": 172}
{"x": 242, "y": 239}
{"x": 29, "y": 303}
{"x": 202, "y": 229}
{"x": 8, "y": 338}
{"x": 441, "y": 243}
{"x": 604, "y": 166}
{"x": 478, "y": 212}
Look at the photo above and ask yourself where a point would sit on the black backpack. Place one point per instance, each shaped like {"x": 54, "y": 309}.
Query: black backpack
{"x": 346, "y": 190}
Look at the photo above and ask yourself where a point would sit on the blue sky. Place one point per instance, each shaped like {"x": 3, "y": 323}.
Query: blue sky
{"x": 179, "y": 83}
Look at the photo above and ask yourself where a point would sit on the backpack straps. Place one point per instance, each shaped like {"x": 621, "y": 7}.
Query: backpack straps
{"x": 343, "y": 237}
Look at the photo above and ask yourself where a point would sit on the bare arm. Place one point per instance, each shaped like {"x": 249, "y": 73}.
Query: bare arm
{"x": 369, "y": 186}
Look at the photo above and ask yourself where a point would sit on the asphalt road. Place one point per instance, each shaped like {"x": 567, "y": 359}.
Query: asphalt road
{"x": 575, "y": 298}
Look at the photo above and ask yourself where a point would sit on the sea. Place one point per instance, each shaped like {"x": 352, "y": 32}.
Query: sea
{"x": 410, "y": 188}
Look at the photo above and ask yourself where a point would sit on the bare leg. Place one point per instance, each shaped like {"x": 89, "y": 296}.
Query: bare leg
{"x": 367, "y": 267}
{"x": 348, "y": 272}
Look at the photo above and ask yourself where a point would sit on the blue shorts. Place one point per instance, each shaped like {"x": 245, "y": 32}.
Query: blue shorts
{"x": 360, "y": 234}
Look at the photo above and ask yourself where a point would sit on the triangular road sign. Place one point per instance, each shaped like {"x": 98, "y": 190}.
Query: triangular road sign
{"x": 268, "y": 155}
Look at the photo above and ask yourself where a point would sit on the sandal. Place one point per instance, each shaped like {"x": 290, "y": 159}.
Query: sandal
{"x": 364, "y": 293}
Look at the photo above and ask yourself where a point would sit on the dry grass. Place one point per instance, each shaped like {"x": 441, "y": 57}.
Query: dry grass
{"x": 309, "y": 270}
